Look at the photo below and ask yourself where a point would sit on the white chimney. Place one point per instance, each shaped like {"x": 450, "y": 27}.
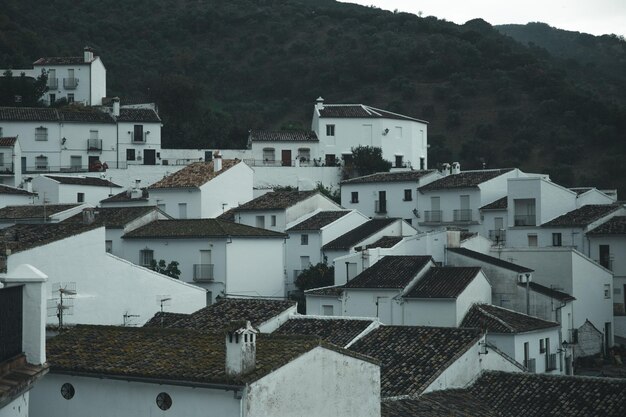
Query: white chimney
{"x": 217, "y": 161}
{"x": 89, "y": 215}
{"x": 445, "y": 169}
{"x": 116, "y": 106}
{"x": 456, "y": 168}
{"x": 88, "y": 54}
{"x": 319, "y": 103}
{"x": 241, "y": 350}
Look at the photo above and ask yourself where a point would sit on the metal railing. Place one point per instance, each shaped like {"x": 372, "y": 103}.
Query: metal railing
{"x": 141, "y": 139}
{"x": 606, "y": 263}
{"x": 41, "y": 167}
{"x": 263, "y": 162}
{"x": 94, "y": 145}
{"x": 432, "y": 216}
{"x": 6, "y": 168}
{"x": 10, "y": 322}
{"x": 70, "y": 83}
{"x": 203, "y": 272}
{"x": 550, "y": 362}
{"x": 525, "y": 220}
{"x": 380, "y": 206}
{"x": 530, "y": 365}
{"x": 53, "y": 83}
{"x": 462, "y": 215}
{"x": 497, "y": 235}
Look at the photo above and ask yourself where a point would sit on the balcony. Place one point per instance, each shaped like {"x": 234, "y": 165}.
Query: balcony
{"x": 203, "y": 273}
{"x": 7, "y": 169}
{"x": 530, "y": 365}
{"x": 10, "y": 322}
{"x": 432, "y": 216}
{"x": 525, "y": 220}
{"x": 94, "y": 145}
{"x": 53, "y": 83}
{"x": 70, "y": 83}
{"x": 550, "y": 362}
{"x": 606, "y": 263}
{"x": 138, "y": 139}
{"x": 380, "y": 206}
{"x": 462, "y": 215}
{"x": 498, "y": 235}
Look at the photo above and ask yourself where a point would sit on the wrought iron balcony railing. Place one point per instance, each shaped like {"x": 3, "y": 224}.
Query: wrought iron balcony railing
{"x": 203, "y": 273}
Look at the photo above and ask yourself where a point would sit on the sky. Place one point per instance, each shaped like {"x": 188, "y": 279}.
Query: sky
{"x": 597, "y": 17}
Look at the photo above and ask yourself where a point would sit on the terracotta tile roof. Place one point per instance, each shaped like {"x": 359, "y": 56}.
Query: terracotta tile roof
{"x": 17, "y": 377}
{"x": 219, "y": 315}
{"x": 165, "y": 354}
{"x": 615, "y": 226}
{"x": 501, "y": 320}
{"x": 360, "y": 111}
{"x": 413, "y": 357}
{"x": 499, "y": 204}
{"x": 85, "y": 114}
{"x": 164, "y": 319}
{"x": 228, "y": 215}
{"x": 5, "y": 189}
{"x": 116, "y": 217}
{"x": 338, "y": 331}
{"x": 8, "y": 142}
{"x": 390, "y": 272}
{"x": 283, "y": 136}
{"x": 276, "y": 200}
{"x": 21, "y": 237}
{"x": 89, "y": 181}
{"x": 467, "y": 179}
{"x": 527, "y": 394}
{"x": 358, "y": 234}
{"x": 443, "y": 282}
{"x": 326, "y": 291}
{"x": 448, "y": 403}
{"x": 125, "y": 197}
{"x": 319, "y": 220}
{"x": 46, "y": 114}
{"x": 193, "y": 175}
{"x": 62, "y": 60}
{"x": 582, "y": 216}
{"x": 385, "y": 242}
{"x": 401, "y": 176}
{"x": 490, "y": 260}
{"x": 542, "y": 289}
{"x": 198, "y": 228}
{"x": 138, "y": 115}
{"x": 25, "y": 212}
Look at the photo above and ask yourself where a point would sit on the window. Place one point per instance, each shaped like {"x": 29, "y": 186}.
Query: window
{"x": 67, "y": 391}
{"x": 260, "y": 222}
{"x": 164, "y": 401}
{"x": 53, "y": 98}
{"x": 304, "y": 155}
{"x": 607, "y": 290}
{"x": 399, "y": 163}
{"x": 41, "y": 133}
{"x": 422, "y": 163}
{"x": 330, "y": 161}
{"x": 408, "y": 195}
{"x": 354, "y": 197}
{"x": 138, "y": 133}
{"x": 269, "y": 155}
{"x": 76, "y": 162}
{"x": 273, "y": 220}
{"x": 70, "y": 98}
{"x": 330, "y": 130}
{"x": 108, "y": 246}
{"x": 304, "y": 239}
{"x": 182, "y": 210}
{"x": 556, "y": 239}
{"x": 41, "y": 162}
{"x": 524, "y": 212}
{"x": 327, "y": 310}
{"x": 130, "y": 154}
{"x": 1, "y": 160}
{"x": 532, "y": 241}
{"x": 542, "y": 345}
{"x": 145, "y": 257}
{"x": 1, "y": 135}
{"x": 80, "y": 197}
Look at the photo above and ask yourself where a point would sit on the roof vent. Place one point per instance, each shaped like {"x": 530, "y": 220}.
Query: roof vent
{"x": 240, "y": 349}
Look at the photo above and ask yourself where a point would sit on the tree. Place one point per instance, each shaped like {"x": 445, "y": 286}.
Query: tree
{"x": 333, "y": 194}
{"x": 366, "y": 160}
{"x": 171, "y": 269}
{"x": 315, "y": 276}
{"x": 22, "y": 91}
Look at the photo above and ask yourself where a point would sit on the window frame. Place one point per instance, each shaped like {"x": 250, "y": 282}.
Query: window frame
{"x": 130, "y": 154}
{"x": 557, "y": 239}
{"x": 409, "y": 195}
{"x": 354, "y": 197}
{"x": 80, "y": 197}
{"x": 143, "y": 256}
{"x": 330, "y": 130}
{"x": 41, "y": 134}
{"x": 304, "y": 239}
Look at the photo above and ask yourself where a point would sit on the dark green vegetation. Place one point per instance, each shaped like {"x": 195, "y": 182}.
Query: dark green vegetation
{"x": 365, "y": 160}
{"x": 315, "y": 276}
{"x": 219, "y": 68}
{"x": 18, "y": 90}
{"x": 162, "y": 267}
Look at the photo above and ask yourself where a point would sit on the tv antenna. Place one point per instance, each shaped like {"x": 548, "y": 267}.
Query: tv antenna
{"x": 128, "y": 318}
{"x": 62, "y": 302}
{"x": 163, "y": 300}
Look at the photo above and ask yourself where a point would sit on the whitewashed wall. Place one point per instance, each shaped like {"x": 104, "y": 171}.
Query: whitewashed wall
{"x": 18, "y": 407}
{"x": 228, "y": 190}
{"x": 152, "y": 141}
{"x": 396, "y": 205}
{"x": 315, "y": 305}
{"x": 57, "y": 193}
{"x": 168, "y": 199}
{"x": 593, "y": 196}
{"x": 429, "y": 312}
{"x": 15, "y": 200}
{"x": 513, "y": 345}
{"x": 477, "y": 291}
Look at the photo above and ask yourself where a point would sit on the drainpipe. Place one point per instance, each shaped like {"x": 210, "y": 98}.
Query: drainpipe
{"x": 528, "y": 294}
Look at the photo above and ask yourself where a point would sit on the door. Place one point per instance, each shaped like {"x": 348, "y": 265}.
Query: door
{"x": 286, "y": 157}
{"x": 382, "y": 202}
{"x": 205, "y": 269}
{"x": 465, "y": 213}
{"x": 23, "y": 165}
{"x": 149, "y": 157}
{"x": 94, "y": 164}
{"x": 605, "y": 256}
{"x": 330, "y": 160}
{"x": 608, "y": 338}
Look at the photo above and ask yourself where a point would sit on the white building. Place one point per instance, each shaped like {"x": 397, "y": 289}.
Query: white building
{"x": 56, "y": 189}
{"x": 223, "y": 257}
{"x": 341, "y": 127}
{"x": 240, "y": 373}
{"x": 22, "y": 337}
{"x": 387, "y": 194}
{"x": 204, "y": 189}
{"x": 10, "y": 157}
{"x": 532, "y": 342}
{"x": 283, "y": 148}
{"x": 11, "y": 196}
{"x": 73, "y": 257}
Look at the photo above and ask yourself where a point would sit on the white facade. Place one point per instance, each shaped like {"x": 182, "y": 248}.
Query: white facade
{"x": 129, "y": 291}
{"x": 10, "y": 162}
{"x": 15, "y": 199}
{"x": 513, "y": 344}
{"x": 137, "y": 143}
{"x": 54, "y": 192}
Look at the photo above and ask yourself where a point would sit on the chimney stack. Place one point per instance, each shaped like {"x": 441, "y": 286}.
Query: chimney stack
{"x": 240, "y": 349}
{"x": 319, "y": 103}
{"x": 88, "y": 54}
{"x": 456, "y": 168}
{"x": 89, "y": 215}
{"x": 217, "y": 161}
{"x": 445, "y": 169}
{"x": 116, "y": 106}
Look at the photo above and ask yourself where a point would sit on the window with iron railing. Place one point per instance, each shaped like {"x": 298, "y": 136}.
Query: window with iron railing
{"x": 380, "y": 206}
{"x": 530, "y": 365}
{"x": 94, "y": 144}
{"x": 203, "y": 272}
{"x": 41, "y": 163}
{"x": 463, "y": 215}
{"x": 146, "y": 256}
{"x": 70, "y": 83}
{"x": 497, "y": 235}
{"x": 551, "y": 362}
{"x": 432, "y": 216}
{"x": 41, "y": 133}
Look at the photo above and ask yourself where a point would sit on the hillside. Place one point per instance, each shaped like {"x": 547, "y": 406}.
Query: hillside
{"x": 219, "y": 68}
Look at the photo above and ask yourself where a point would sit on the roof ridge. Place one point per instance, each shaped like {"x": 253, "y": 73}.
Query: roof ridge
{"x": 499, "y": 320}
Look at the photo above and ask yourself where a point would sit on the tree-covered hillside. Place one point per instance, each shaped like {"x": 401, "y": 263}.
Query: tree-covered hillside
{"x": 218, "y": 68}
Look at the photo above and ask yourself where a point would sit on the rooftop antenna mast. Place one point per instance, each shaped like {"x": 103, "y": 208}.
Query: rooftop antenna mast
{"x": 63, "y": 304}
{"x": 127, "y": 318}
{"x": 163, "y": 300}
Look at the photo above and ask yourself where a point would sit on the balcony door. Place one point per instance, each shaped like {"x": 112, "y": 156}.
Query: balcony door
{"x": 286, "y": 157}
